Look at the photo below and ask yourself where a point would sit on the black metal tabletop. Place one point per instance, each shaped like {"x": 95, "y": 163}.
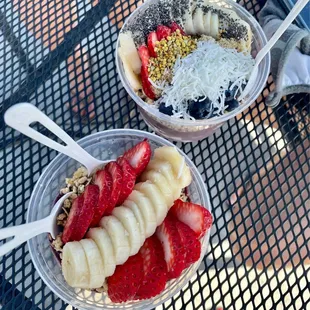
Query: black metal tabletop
{"x": 59, "y": 55}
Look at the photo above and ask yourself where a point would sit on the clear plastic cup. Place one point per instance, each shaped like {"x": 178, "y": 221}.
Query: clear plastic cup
{"x": 188, "y": 130}
{"x": 103, "y": 145}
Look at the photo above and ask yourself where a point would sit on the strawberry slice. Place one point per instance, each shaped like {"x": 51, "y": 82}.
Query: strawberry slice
{"x": 139, "y": 156}
{"x": 117, "y": 178}
{"x": 162, "y": 32}
{"x": 144, "y": 55}
{"x": 190, "y": 242}
{"x": 198, "y": 218}
{"x": 129, "y": 179}
{"x": 146, "y": 84}
{"x": 69, "y": 233}
{"x": 174, "y": 27}
{"x": 174, "y": 251}
{"x": 151, "y": 43}
{"x": 154, "y": 269}
{"x": 104, "y": 181}
{"x": 126, "y": 280}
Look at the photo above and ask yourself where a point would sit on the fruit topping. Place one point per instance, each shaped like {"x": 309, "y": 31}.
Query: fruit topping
{"x": 128, "y": 179}
{"x": 117, "y": 176}
{"x": 174, "y": 251}
{"x": 190, "y": 242}
{"x": 151, "y": 43}
{"x": 126, "y": 280}
{"x": 139, "y": 156}
{"x": 174, "y": 27}
{"x": 162, "y": 32}
{"x": 200, "y": 109}
{"x": 154, "y": 269}
{"x": 70, "y": 232}
{"x": 104, "y": 181}
{"x": 166, "y": 110}
{"x": 198, "y": 218}
{"x": 144, "y": 56}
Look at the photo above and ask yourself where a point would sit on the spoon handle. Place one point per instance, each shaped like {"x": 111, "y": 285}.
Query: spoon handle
{"x": 22, "y": 233}
{"x": 21, "y": 115}
{"x": 285, "y": 24}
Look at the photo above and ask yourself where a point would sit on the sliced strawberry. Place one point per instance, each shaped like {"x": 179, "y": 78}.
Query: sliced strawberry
{"x": 146, "y": 84}
{"x": 104, "y": 181}
{"x": 174, "y": 27}
{"x": 174, "y": 251}
{"x": 154, "y": 269}
{"x": 117, "y": 176}
{"x": 128, "y": 181}
{"x": 126, "y": 280}
{"x": 151, "y": 43}
{"x": 139, "y": 156}
{"x": 86, "y": 215}
{"x": 162, "y": 32}
{"x": 190, "y": 242}
{"x": 69, "y": 233}
{"x": 144, "y": 55}
{"x": 198, "y": 218}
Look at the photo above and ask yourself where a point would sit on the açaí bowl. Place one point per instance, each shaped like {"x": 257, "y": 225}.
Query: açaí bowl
{"x": 103, "y": 145}
{"x": 188, "y": 130}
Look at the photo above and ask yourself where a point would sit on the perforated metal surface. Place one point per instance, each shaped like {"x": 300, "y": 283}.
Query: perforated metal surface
{"x": 60, "y": 63}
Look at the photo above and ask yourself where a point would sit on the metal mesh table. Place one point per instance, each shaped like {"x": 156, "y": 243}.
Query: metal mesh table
{"x": 59, "y": 55}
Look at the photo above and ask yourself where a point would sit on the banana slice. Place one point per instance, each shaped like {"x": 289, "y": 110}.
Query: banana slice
{"x": 132, "y": 77}
{"x": 129, "y": 221}
{"x": 214, "y": 26}
{"x": 105, "y": 246}
{"x": 188, "y": 18}
{"x": 74, "y": 265}
{"x": 207, "y": 23}
{"x": 130, "y": 51}
{"x": 177, "y": 161}
{"x": 152, "y": 192}
{"x": 119, "y": 237}
{"x": 146, "y": 208}
{"x": 139, "y": 216}
{"x": 166, "y": 170}
{"x": 95, "y": 263}
{"x": 198, "y": 21}
{"x": 159, "y": 180}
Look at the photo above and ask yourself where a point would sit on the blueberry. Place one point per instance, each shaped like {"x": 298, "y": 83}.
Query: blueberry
{"x": 200, "y": 109}
{"x": 166, "y": 110}
{"x": 230, "y": 94}
{"x": 232, "y": 104}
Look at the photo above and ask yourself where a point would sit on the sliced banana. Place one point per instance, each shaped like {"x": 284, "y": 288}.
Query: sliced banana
{"x": 198, "y": 21}
{"x": 146, "y": 208}
{"x": 188, "y": 18}
{"x": 130, "y": 51}
{"x": 132, "y": 77}
{"x": 129, "y": 221}
{"x": 177, "y": 161}
{"x": 105, "y": 246}
{"x": 119, "y": 237}
{"x": 207, "y": 23}
{"x": 160, "y": 181}
{"x": 166, "y": 170}
{"x": 95, "y": 263}
{"x": 139, "y": 216}
{"x": 152, "y": 192}
{"x": 214, "y": 26}
{"x": 74, "y": 265}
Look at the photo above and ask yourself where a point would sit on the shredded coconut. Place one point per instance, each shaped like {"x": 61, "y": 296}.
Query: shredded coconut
{"x": 207, "y": 72}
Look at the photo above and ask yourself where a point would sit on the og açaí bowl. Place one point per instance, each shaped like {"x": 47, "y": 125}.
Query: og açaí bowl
{"x": 188, "y": 130}
{"x": 103, "y": 145}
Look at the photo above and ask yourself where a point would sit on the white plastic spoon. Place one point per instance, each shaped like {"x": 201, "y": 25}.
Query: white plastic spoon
{"x": 25, "y": 232}
{"x": 265, "y": 50}
{"x": 21, "y": 115}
